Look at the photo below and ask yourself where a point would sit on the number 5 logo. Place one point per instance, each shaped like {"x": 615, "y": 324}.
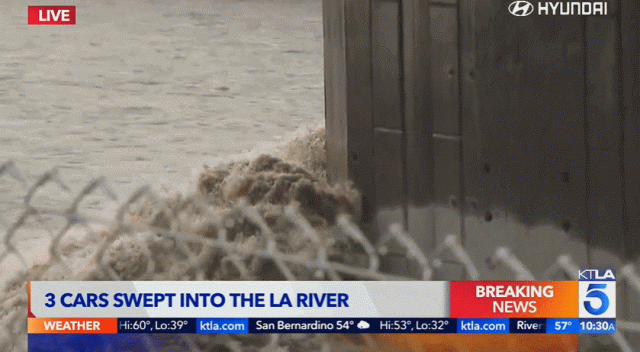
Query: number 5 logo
{"x": 597, "y": 291}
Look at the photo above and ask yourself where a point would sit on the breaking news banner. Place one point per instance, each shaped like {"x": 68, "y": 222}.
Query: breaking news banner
{"x": 51, "y": 15}
{"x": 71, "y": 309}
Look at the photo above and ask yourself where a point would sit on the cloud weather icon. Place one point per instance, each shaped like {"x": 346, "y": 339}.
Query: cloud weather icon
{"x": 521, "y": 8}
{"x": 363, "y": 325}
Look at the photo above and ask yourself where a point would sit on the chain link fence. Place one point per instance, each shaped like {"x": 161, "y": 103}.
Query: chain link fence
{"x": 152, "y": 237}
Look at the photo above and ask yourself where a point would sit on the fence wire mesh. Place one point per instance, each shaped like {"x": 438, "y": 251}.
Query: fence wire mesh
{"x": 152, "y": 237}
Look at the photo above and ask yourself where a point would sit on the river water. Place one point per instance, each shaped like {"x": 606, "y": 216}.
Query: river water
{"x": 146, "y": 92}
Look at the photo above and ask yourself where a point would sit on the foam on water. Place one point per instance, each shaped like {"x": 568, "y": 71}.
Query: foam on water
{"x": 304, "y": 147}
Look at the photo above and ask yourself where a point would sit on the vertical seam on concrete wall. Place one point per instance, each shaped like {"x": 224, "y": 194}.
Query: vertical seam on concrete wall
{"x": 403, "y": 115}
{"x": 618, "y": 74}
{"x": 343, "y": 26}
{"x": 585, "y": 127}
{"x": 623, "y": 116}
{"x": 373, "y": 201}
{"x": 429, "y": 97}
{"x": 621, "y": 160}
{"x": 371, "y": 93}
{"x": 461, "y": 201}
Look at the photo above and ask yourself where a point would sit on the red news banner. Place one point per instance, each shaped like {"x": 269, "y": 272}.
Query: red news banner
{"x": 51, "y": 15}
{"x": 514, "y": 299}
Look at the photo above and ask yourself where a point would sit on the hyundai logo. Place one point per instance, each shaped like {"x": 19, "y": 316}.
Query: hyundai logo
{"x": 521, "y": 8}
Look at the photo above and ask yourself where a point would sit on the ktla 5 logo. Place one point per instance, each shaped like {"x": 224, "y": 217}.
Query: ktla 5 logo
{"x": 597, "y": 294}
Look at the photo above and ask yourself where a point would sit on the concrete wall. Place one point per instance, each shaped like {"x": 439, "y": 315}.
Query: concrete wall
{"x": 458, "y": 117}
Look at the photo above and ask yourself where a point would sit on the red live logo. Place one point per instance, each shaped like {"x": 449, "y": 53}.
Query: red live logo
{"x": 52, "y": 15}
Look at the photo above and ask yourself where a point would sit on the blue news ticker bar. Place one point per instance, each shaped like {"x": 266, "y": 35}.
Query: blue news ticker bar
{"x": 223, "y": 326}
{"x": 156, "y": 326}
{"x": 563, "y": 326}
{"x": 365, "y": 326}
{"x": 353, "y": 326}
{"x": 483, "y": 326}
{"x": 527, "y": 326}
{"x": 597, "y": 326}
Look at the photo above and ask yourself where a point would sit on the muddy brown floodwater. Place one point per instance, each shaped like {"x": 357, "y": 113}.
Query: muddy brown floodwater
{"x": 144, "y": 92}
